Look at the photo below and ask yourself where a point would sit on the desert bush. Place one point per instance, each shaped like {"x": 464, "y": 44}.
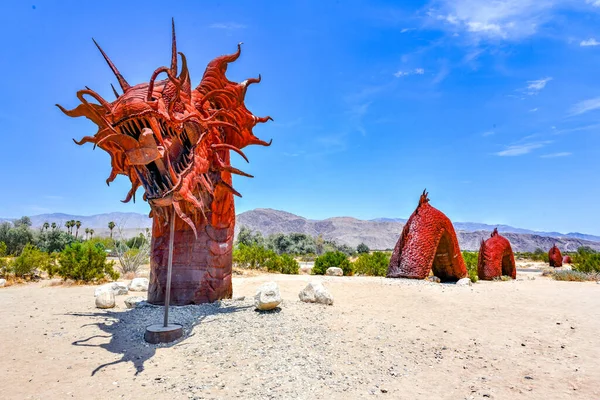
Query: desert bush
{"x": 4, "y": 267}
{"x": 250, "y": 256}
{"x": 53, "y": 240}
{"x": 248, "y": 238}
{"x": 2, "y": 249}
{"x": 272, "y": 262}
{"x": 308, "y": 257}
{"x": 30, "y": 259}
{"x": 362, "y": 248}
{"x": 575, "y": 276}
{"x": 85, "y": 262}
{"x": 375, "y": 264}
{"x": 132, "y": 253}
{"x": 471, "y": 258}
{"x": 289, "y": 265}
{"x": 332, "y": 259}
{"x": 537, "y": 255}
{"x": 256, "y": 256}
{"x": 16, "y": 236}
{"x": 586, "y": 260}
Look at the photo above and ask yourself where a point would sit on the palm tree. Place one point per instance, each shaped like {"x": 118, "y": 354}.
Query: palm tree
{"x": 77, "y": 225}
{"x": 87, "y": 232}
{"x": 45, "y": 226}
{"x": 68, "y": 225}
{"x": 111, "y": 226}
{"x": 91, "y": 233}
{"x": 53, "y": 225}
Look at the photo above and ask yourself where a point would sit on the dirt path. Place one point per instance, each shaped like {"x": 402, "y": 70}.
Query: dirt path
{"x": 384, "y": 338}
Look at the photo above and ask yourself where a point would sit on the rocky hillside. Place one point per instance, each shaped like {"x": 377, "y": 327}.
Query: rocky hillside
{"x": 384, "y": 232}
{"x": 381, "y": 233}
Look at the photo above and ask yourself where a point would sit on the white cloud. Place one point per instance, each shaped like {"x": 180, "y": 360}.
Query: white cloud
{"x": 488, "y": 133}
{"x": 590, "y": 41}
{"x": 416, "y": 71}
{"x": 533, "y": 87}
{"x": 534, "y": 109}
{"x": 493, "y": 19}
{"x": 404, "y": 30}
{"x": 521, "y": 149}
{"x": 585, "y": 106}
{"x": 554, "y": 155}
{"x": 227, "y": 25}
{"x": 595, "y": 3}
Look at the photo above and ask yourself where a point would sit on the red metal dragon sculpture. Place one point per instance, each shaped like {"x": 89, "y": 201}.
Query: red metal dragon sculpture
{"x": 496, "y": 258}
{"x": 427, "y": 243}
{"x": 176, "y": 143}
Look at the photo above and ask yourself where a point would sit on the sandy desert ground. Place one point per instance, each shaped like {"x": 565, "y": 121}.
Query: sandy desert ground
{"x": 383, "y": 338}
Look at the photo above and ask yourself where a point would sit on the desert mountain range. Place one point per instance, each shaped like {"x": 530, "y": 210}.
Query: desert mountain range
{"x": 381, "y": 233}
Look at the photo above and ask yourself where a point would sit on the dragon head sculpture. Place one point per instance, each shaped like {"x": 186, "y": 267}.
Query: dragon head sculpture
{"x": 171, "y": 139}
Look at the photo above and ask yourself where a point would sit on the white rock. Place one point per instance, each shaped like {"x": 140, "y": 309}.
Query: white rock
{"x": 464, "y": 282}
{"x": 118, "y": 288}
{"x": 105, "y": 299}
{"x": 134, "y": 301}
{"x": 315, "y": 292}
{"x": 305, "y": 269}
{"x": 334, "y": 271}
{"x": 139, "y": 285}
{"x": 2, "y": 282}
{"x": 267, "y": 296}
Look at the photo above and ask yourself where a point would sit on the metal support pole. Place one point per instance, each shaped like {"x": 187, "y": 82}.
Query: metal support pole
{"x": 169, "y": 269}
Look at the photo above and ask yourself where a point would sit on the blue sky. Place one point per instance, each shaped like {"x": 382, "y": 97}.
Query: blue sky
{"x": 494, "y": 107}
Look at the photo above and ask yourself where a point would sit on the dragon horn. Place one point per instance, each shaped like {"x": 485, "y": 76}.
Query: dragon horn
{"x": 184, "y": 76}
{"x": 114, "y": 91}
{"x": 122, "y": 81}
{"x": 173, "y": 48}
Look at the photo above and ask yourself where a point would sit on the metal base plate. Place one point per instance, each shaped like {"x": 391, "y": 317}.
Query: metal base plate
{"x": 158, "y": 333}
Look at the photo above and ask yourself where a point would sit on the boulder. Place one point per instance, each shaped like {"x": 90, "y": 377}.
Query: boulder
{"x": 464, "y": 282}
{"x": 434, "y": 279}
{"x": 139, "y": 285}
{"x": 134, "y": 301}
{"x": 334, "y": 271}
{"x": 118, "y": 288}
{"x": 2, "y": 282}
{"x": 105, "y": 299}
{"x": 267, "y": 296}
{"x": 315, "y": 292}
{"x": 305, "y": 269}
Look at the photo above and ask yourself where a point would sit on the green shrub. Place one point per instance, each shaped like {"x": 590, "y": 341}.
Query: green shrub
{"x": 375, "y": 264}
{"x": 30, "y": 259}
{"x": 289, "y": 265}
{"x": 362, "y": 248}
{"x": 537, "y": 255}
{"x": 332, "y": 259}
{"x": 272, "y": 261}
{"x": 85, "y": 262}
{"x": 586, "y": 260}
{"x": 471, "y": 258}
{"x": 3, "y": 250}
{"x": 4, "y": 267}
{"x": 250, "y": 256}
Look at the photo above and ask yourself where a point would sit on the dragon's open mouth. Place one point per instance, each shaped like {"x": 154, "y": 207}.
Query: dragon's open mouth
{"x": 173, "y": 140}
{"x": 174, "y": 152}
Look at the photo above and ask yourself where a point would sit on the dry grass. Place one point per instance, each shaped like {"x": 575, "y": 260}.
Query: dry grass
{"x": 572, "y": 276}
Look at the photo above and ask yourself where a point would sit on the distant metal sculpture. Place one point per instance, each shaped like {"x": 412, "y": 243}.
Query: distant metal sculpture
{"x": 428, "y": 243}
{"x": 175, "y": 142}
{"x": 496, "y": 258}
{"x": 554, "y": 257}
{"x": 567, "y": 260}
